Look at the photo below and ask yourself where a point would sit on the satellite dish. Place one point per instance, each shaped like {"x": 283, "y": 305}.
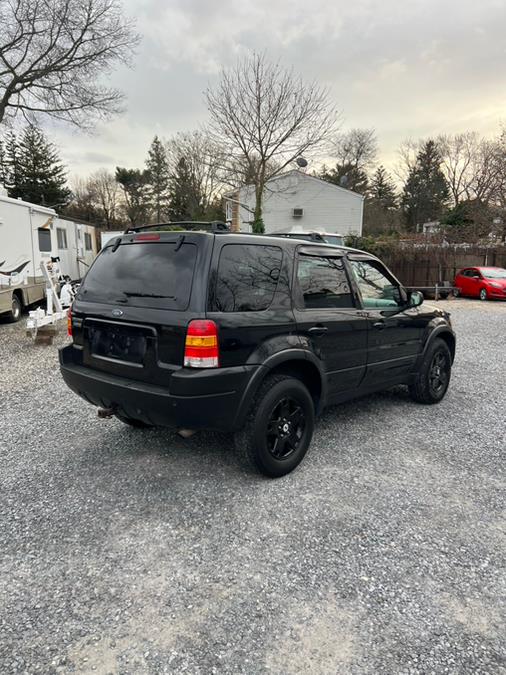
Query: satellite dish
{"x": 301, "y": 162}
{"x": 343, "y": 181}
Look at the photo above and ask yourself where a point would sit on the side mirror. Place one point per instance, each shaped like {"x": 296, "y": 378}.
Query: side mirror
{"x": 415, "y": 299}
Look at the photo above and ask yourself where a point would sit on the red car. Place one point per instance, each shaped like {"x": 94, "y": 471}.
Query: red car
{"x": 481, "y": 282}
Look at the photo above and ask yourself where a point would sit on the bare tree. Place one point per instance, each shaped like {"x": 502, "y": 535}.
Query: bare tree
{"x": 407, "y": 156}
{"x": 470, "y": 166}
{"x": 357, "y": 148}
{"x": 105, "y": 193}
{"x": 204, "y": 161}
{"x": 52, "y": 53}
{"x": 265, "y": 117}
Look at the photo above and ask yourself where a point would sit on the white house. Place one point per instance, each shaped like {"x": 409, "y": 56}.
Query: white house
{"x": 297, "y": 201}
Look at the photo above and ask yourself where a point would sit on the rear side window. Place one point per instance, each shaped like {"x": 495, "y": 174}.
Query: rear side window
{"x": 247, "y": 278}
{"x": 323, "y": 283}
{"x": 142, "y": 275}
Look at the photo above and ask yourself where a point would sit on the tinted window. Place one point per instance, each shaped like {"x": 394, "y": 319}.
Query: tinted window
{"x": 376, "y": 288}
{"x": 142, "y": 275}
{"x": 247, "y": 278}
{"x": 323, "y": 282}
{"x": 44, "y": 240}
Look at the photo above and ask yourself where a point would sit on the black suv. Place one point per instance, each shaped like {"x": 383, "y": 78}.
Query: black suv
{"x": 247, "y": 334}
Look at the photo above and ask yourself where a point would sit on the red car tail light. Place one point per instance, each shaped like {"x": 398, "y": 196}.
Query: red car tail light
{"x": 201, "y": 347}
{"x": 147, "y": 236}
{"x": 69, "y": 323}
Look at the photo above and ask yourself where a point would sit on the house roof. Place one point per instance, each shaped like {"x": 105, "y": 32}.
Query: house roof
{"x": 292, "y": 172}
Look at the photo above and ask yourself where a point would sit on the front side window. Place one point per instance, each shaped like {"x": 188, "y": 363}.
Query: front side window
{"x": 247, "y": 278}
{"x": 323, "y": 283}
{"x": 376, "y": 289}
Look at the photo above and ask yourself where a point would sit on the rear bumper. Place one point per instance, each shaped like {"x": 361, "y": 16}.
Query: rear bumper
{"x": 196, "y": 399}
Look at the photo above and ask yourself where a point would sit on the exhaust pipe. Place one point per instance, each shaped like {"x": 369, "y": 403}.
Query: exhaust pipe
{"x": 106, "y": 413}
{"x": 186, "y": 433}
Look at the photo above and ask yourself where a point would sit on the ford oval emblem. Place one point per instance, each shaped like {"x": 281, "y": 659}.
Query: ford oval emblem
{"x": 117, "y": 312}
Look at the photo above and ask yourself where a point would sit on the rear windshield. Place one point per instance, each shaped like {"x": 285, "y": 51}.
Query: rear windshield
{"x": 151, "y": 275}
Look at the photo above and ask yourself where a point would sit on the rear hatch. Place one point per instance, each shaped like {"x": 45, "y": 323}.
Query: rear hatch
{"x": 133, "y": 308}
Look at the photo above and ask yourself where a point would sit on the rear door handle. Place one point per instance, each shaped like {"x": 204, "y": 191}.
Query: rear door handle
{"x": 379, "y": 325}
{"x": 318, "y": 330}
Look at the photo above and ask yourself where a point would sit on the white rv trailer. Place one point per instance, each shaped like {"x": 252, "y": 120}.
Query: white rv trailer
{"x": 31, "y": 234}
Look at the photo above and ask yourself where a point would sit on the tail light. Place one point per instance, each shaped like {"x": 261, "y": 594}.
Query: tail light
{"x": 69, "y": 323}
{"x": 201, "y": 346}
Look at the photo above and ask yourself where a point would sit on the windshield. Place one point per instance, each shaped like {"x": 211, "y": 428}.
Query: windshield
{"x": 142, "y": 275}
{"x": 493, "y": 273}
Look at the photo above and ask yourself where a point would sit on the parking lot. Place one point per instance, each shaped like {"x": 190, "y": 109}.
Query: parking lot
{"x": 132, "y": 551}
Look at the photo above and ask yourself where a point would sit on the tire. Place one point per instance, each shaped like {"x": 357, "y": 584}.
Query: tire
{"x": 432, "y": 380}
{"x": 14, "y": 314}
{"x": 483, "y": 294}
{"x": 279, "y": 427}
{"x": 138, "y": 424}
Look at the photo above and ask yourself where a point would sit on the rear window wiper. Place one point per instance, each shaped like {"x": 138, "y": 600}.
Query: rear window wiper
{"x": 148, "y": 295}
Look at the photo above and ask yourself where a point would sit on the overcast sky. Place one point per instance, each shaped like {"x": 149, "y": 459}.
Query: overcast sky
{"x": 408, "y": 68}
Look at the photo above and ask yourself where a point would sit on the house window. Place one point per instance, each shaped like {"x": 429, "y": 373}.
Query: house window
{"x": 228, "y": 212}
{"x": 298, "y": 213}
{"x": 61, "y": 236}
{"x": 44, "y": 240}
{"x": 87, "y": 241}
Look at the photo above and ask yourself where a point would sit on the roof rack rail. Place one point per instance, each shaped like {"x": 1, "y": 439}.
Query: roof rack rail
{"x": 214, "y": 226}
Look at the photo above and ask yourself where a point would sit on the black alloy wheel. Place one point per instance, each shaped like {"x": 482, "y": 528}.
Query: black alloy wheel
{"x": 285, "y": 428}
{"x": 278, "y": 429}
{"x": 439, "y": 373}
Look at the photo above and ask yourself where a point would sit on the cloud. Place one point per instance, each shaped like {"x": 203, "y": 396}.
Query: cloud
{"x": 406, "y": 68}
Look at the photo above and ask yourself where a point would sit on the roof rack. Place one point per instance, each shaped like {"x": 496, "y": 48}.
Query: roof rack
{"x": 214, "y": 226}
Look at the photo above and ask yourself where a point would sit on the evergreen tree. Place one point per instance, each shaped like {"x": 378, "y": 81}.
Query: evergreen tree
{"x": 184, "y": 203}
{"x": 157, "y": 167}
{"x": 135, "y": 185}
{"x": 426, "y": 192}
{"x": 347, "y": 176}
{"x": 36, "y": 172}
{"x": 382, "y": 189}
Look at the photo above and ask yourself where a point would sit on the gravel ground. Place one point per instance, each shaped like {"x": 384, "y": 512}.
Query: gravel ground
{"x": 128, "y": 551}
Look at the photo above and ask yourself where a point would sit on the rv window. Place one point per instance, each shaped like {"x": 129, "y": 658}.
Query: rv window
{"x": 44, "y": 240}
{"x": 87, "y": 241}
{"x": 61, "y": 236}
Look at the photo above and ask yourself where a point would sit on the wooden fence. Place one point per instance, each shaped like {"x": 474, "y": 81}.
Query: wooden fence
{"x": 428, "y": 265}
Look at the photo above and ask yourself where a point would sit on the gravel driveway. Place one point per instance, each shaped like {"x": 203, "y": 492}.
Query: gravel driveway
{"x": 129, "y": 551}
